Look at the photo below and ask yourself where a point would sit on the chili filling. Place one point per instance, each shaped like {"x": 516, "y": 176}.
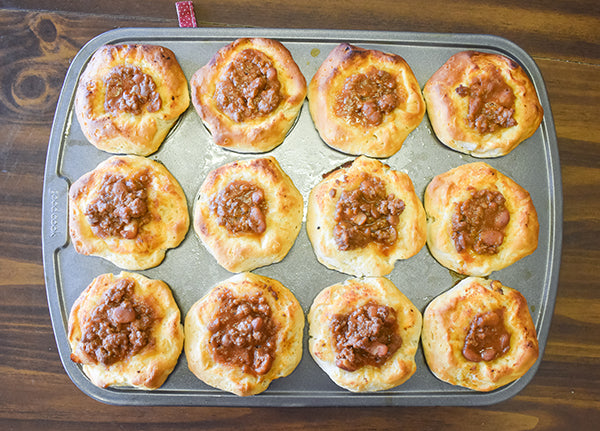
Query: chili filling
{"x": 491, "y": 103}
{"x": 128, "y": 89}
{"x": 249, "y": 87}
{"x": 243, "y": 333}
{"x": 121, "y": 208}
{"x": 120, "y": 326}
{"x": 241, "y": 208}
{"x": 366, "y": 214}
{"x": 366, "y": 336}
{"x": 479, "y": 222}
{"x": 366, "y": 97}
{"x": 487, "y": 338}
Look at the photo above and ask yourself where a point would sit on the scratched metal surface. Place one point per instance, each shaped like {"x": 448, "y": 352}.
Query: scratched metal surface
{"x": 190, "y": 270}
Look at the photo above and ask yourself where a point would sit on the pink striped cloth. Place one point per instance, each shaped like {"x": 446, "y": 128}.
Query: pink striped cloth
{"x": 185, "y": 14}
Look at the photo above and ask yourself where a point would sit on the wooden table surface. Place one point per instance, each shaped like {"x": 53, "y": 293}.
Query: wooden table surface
{"x": 38, "y": 38}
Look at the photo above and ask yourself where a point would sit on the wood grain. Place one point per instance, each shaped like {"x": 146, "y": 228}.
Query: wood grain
{"x": 38, "y": 39}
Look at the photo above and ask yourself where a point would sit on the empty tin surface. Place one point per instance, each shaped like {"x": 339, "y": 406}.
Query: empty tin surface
{"x": 189, "y": 154}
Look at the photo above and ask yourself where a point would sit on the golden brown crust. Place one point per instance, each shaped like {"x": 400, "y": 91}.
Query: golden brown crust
{"x": 260, "y": 134}
{"x": 246, "y": 251}
{"x": 447, "y": 319}
{"x": 447, "y": 190}
{"x": 382, "y": 140}
{"x": 343, "y": 298}
{"x": 150, "y": 367}
{"x": 167, "y": 205}
{"x": 126, "y": 132}
{"x": 448, "y": 111}
{"x": 287, "y": 314}
{"x": 372, "y": 260}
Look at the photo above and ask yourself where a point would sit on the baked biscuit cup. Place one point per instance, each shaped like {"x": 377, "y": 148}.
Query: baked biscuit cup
{"x": 141, "y": 74}
{"x": 146, "y": 369}
{"x": 382, "y": 131}
{"x": 345, "y": 298}
{"x": 281, "y": 211}
{"x": 374, "y": 258}
{"x": 244, "y": 118}
{"x": 446, "y": 324}
{"x": 228, "y": 374}
{"x": 165, "y": 225}
{"x": 482, "y": 104}
{"x": 447, "y": 191}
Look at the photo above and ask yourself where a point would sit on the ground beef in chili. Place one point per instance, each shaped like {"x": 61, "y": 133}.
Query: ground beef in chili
{"x": 366, "y": 336}
{"x": 129, "y": 89}
{"x": 249, "y": 87}
{"x": 366, "y": 214}
{"x": 240, "y": 207}
{"x": 491, "y": 103}
{"x": 121, "y": 206}
{"x": 479, "y": 222}
{"x": 243, "y": 333}
{"x": 120, "y": 326}
{"x": 487, "y": 338}
{"x": 367, "y": 97}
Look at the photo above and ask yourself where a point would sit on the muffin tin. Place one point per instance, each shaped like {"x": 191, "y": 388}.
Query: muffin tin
{"x": 191, "y": 271}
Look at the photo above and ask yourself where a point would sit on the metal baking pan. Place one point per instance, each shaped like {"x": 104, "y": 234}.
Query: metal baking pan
{"x": 190, "y": 270}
